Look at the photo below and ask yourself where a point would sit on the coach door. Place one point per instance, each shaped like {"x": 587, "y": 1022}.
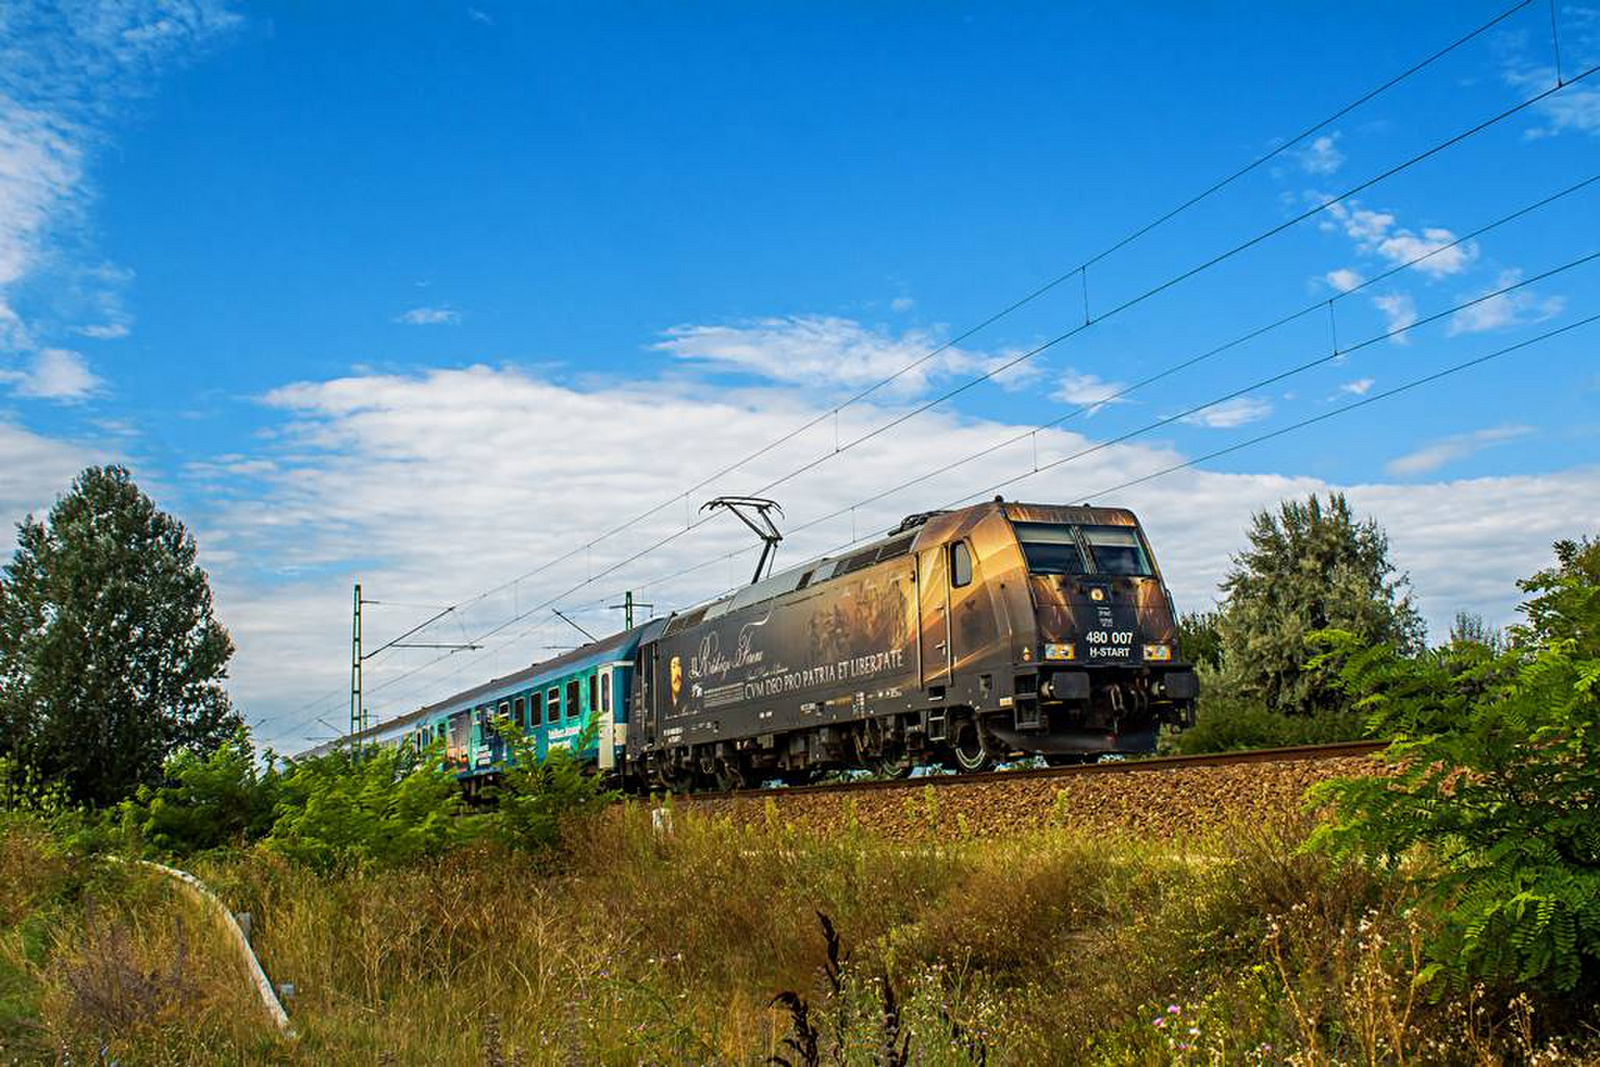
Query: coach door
{"x": 933, "y": 609}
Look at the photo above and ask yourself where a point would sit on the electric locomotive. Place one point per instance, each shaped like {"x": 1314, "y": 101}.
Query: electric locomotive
{"x": 962, "y": 638}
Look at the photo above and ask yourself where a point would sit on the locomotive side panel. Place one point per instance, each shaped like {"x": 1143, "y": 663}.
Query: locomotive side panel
{"x": 820, "y": 655}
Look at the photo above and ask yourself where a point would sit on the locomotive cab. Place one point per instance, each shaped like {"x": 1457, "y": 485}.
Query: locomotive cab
{"x": 1099, "y": 669}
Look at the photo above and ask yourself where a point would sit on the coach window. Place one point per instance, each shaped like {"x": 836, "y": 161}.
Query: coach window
{"x": 553, "y": 701}
{"x": 535, "y": 709}
{"x": 572, "y": 698}
{"x": 594, "y": 692}
{"x": 518, "y": 715}
{"x": 960, "y": 564}
{"x": 605, "y": 689}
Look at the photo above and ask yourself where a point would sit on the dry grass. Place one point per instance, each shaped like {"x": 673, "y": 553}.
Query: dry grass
{"x": 1048, "y": 947}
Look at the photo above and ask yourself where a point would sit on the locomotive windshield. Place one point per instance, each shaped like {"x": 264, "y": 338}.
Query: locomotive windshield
{"x": 1116, "y": 550}
{"x": 1053, "y": 549}
{"x": 1050, "y": 549}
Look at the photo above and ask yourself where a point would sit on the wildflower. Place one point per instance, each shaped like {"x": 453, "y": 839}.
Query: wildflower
{"x": 1173, "y": 1009}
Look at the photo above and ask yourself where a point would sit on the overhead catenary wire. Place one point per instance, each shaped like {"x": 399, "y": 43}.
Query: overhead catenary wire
{"x": 1007, "y": 365}
{"x": 987, "y": 375}
{"x": 1321, "y": 360}
{"x": 1372, "y": 398}
{"x": 1028, "y": 298}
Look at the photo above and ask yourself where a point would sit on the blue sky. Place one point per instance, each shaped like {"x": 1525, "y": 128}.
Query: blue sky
{"x": 429, "y": 295}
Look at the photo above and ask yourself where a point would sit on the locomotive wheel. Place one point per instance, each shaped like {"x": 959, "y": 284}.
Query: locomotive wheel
{"x": 729, "y": 777}
{"x": 971, "y": 753}
{"x": 895, "y": 765}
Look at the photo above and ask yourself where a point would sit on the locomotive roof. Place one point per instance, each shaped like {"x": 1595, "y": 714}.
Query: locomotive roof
{"x": 910, "y": 528}
{"x": 603, "y": 650}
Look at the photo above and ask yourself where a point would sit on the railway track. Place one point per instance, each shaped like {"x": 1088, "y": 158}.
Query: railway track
{"x": 1295, "y": 753}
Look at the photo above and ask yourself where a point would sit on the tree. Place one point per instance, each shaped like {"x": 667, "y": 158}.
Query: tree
{"x": 110, "y": 658}
{"x": 1468, "y": 628}
{"x": 1198, "y": 638}
{"x": 1496, "y": 772}
{"x": 1310, "y": 567}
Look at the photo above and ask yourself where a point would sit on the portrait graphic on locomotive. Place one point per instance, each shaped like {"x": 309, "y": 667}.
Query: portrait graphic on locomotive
{"x": 962, "y": 638}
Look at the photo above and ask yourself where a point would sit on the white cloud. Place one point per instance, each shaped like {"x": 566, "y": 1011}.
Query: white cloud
{"x": 1399, "y": 311}
{"x": 53, "y": 374}
{"x": 110, "y": 331}
{"x": 65, "y": 75}
{"x": 1576, "y": 108}
{"x": 902, "y": 304}
{"x": 1516, "y": 308}
{"x": 1359, "y": 387}
{"x": 825, "y": 350}
{"x": 33, "y": 471}
{"x": 1087, "y": 391}
{"x": 1344, "y": 279}
{"x": 433, "y": 486}
{"x": 1436, "y": 454}
{"x": 1376, "y": 233}
{"x": 478, "y": 16}
{"x": 1239, "y": 411}
{"x": 429, "y": 317}
{"x": 1320, "y": 156}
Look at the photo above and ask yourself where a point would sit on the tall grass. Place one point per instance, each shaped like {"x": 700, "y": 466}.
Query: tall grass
{"x": 670, "y": 948}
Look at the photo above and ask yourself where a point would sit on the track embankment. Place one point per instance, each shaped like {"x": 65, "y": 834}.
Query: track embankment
{"x": 1162, "y": 797}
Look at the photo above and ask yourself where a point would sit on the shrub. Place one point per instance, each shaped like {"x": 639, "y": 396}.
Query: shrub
{"x": 206, "y": 802}
{"x": 1496, "y": 765}
{"x": 534, "y": 797}
{"x": 1225, "y": 722}
{"x": 385, "y": 805}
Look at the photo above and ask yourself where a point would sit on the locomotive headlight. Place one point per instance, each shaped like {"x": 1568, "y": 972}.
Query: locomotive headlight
{"x": 1158, "y": 652}
{"x": 1066, "y": 651}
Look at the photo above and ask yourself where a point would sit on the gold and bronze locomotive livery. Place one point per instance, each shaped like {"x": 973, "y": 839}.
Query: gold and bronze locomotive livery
{"x": 963, "y": 638}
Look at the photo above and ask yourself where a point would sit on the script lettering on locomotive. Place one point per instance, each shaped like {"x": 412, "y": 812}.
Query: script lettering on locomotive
{"x": 710, "y": 661}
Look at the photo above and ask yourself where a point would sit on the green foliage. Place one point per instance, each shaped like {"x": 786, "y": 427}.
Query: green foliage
{"x": 1497, "y": 769}
{"x": 535, "y": 796}
{"x": 1468, "y": 628}
{"x": 110, "y": 658}
{"x": 206, "y": 801}
{"x": 1199, "y": 640}
{"x": 1310, "y": 567}
{"x": 384, "y": 806}
{"x": 1225, "y": 723}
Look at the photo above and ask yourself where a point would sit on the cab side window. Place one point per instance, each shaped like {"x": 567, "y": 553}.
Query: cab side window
{"x": 960, "y": 564}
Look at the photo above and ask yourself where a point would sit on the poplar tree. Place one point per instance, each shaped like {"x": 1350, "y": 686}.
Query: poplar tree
{"x": 110, "y": 657}
{"x": 1311, "y": 566}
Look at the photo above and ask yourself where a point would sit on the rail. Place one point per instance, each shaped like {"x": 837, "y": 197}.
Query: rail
{"x": 1338, "y": 750}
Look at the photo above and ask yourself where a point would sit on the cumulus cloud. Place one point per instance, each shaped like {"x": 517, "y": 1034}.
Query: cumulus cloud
{"x": 1399, "y": 311}
{"x": 1088, "y": 391}
{"x": 1239, "y": 411}
{"x": 429, "y": 317}
{"x": 109, "y": 331}
{"x": 902, "y": 304}
{"x": 433, "y": 486}
{"x": 33, "y": 470}
{"x": 1320, "y": 156}
{"x": 1359, "y": 387}
{"x": 53, "y": 374}
{"x": 1516, "y": 308}
{"x": 1378, "y": 233}
{"x": 1344, "y": 279}
{"x": 1436, "y": 454}
{"x": 813, "y": 349}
